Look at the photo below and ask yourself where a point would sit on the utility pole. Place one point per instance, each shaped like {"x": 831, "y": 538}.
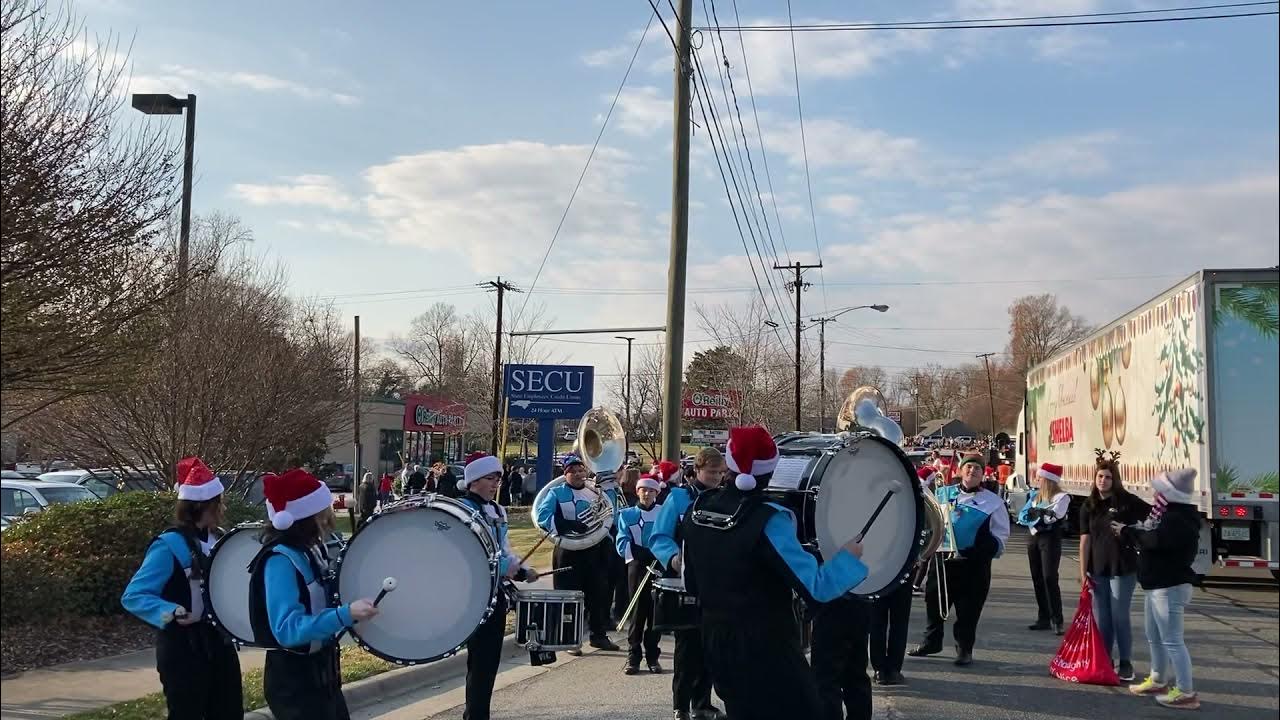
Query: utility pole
{"x": 991, "y": 398}
{"x": 501, "y": 288}
{"x": 355, "y": 387}
{"x": 798, "y": 285}
{"x": 626, "y": 439}
{"x": 673, "y": 353}
{"x": 822, "y": 370}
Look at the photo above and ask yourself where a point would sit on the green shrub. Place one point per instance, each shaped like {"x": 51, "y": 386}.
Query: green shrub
{"x": 76, "y": 559}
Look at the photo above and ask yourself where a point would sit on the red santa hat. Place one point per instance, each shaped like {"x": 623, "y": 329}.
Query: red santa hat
{"x": 662, "y": 471}
{"x": 1050, "y": 471}
{"x": 294, "y": 495}
{"x": 750, "y": 453}
{"x": 925, "y": 473}
{"x": 196, "y": 481}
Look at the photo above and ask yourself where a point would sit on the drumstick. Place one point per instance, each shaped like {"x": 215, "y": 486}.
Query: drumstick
{"x": 388, "y": 585}
{"x": 553, "y": 572}
{"x": 893, "y": 490}
{"x": 535, "y": 547}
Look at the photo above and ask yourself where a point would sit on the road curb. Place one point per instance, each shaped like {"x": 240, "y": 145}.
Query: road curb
{"x": 395, "y": 682}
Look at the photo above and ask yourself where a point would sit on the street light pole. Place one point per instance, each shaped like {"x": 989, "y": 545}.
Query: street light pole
{"x": 626, "y": 441}
{"x": 822, "y": 356}
{"x": 161, "y": 104}
{"x": 991, "y": 398}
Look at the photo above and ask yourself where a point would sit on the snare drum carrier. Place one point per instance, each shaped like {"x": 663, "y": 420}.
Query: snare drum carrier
{"x": 834, "y": 483}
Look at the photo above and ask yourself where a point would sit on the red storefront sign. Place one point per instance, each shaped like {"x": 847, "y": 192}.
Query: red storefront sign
{"x": 711, "y": 405}
{"x": 424, "y": 413}
{"x": 1061, "y": 432}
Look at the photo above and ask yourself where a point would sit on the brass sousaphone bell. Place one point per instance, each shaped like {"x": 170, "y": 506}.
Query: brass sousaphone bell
{"x": 602, "y": 447}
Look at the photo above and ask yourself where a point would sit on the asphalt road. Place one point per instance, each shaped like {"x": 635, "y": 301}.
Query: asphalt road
{"x": 1231, "y": 630}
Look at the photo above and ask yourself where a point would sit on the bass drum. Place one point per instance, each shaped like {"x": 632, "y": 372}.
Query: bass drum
{"x": 446, "y": 568}
{"x": 833, "y": 483}
{"x": 227, "y": 587}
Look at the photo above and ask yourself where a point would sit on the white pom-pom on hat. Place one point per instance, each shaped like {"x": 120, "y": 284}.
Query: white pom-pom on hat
{"x": 282, "y": 520}
{"x": 461, "y": 485}
{"x": 745, "y": 482}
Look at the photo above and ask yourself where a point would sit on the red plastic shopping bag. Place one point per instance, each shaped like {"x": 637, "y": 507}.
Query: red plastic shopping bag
{"x": 1083, "y": 658}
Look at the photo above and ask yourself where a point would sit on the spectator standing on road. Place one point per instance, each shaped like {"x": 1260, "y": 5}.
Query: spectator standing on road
{"x": 384, "y": 489}
{"x": 1043, "y": 514}
{"x": 199, "y": 668}
{"x": 367, "y": 498}
{"x": 1167, "y": 543}
{"x": 529, "y": 480}
{"x": 417, "y": 482}
{"x": 1108, "y": 563}
{"x": 446, "y": 481}
{"x": 504, "y": 488}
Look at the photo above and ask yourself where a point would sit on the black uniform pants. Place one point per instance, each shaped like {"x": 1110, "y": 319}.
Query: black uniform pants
{"x": 641, "y": 634}
{"x": 968, "y": 582}
{"x": 589, "y": 573}
{"x": 619, "y": 583}
{"x": 200, "y": 673}
{"x": 691, "y": 678}
{"x": 1044, "y": 553}
{"x": 304, "y": 687}
{"x": 840, "y": 658}
{"x": 484, "y": 653}
{"x": 890, "y": 617}
{"x": 760, "y": 672}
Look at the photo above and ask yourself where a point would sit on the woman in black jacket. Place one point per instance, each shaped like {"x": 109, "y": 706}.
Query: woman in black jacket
{"x": 1167, "y": 543}
{"x": 1106, "y": 562}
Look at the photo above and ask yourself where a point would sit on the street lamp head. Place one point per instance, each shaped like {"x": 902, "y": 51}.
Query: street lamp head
{"x": 880, "y": 308}
{"x": 623, "y": 337}
{"x": 771, "y": 323}
{"x": 158, "y": 104}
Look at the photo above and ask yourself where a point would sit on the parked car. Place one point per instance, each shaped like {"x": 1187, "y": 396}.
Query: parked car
{"x": 338, "y": 476}
{"x": 569, "y": 435}
{"x": 11, "y": 475}
{"x": 26, "y": 497}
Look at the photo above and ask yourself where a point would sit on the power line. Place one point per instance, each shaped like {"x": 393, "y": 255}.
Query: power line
{"x": 804, "y": 149}
{"x": 590, "y": 156}
{"x": 670, "y": 37}
{"x": 996, "y": 23}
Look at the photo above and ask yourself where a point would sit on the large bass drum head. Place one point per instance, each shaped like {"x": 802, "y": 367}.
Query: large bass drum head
{"x": 228, "y": 581}
{"x": 445, "y": 586}
{"x": 853, "y": 483}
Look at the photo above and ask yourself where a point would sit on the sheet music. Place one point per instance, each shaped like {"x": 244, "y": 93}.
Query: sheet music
{"x": 789, "y": 473}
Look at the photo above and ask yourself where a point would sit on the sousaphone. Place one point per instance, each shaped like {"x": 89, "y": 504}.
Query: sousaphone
{"x": 602, "y": 447}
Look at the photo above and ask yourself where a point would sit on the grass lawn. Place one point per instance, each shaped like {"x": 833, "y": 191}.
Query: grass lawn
{"x": 356, "y": 665}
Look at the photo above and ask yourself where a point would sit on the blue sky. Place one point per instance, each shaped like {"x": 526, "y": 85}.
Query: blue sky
{"x": 421, "y": 146}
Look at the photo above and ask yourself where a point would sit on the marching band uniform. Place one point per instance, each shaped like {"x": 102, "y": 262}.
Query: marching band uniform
{"x": 484, "y": 648}
{"x": 1044, "y": 552}
{"x": 608, "y": 484}
{"x": 691, "y": 679}
{"x": 980, "y": 522}
{"x": 635, "y": 531}
{"x": 564, "y": 510}
{"x": 743, "y": 560}
{"x": 198, "y": 666}
{"x": 839, "y": 654}
{"x": 289, "y": 590}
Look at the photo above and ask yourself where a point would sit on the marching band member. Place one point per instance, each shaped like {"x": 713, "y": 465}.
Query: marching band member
{"x": 607, "y": 483}
{"x": 743, "y": 560}
{"x": 839, "y": 654}
{"x": 667, "y": 474}
{"x": 198, "y": 666}
{"x": 691, "y": 679}
{"x": 289, "y": 602}
{"x": 1046, "y": 506}
{"x": 479, "y": 485}
{"x": 981, "y": 525}
{"x": 635, "y": 531}
{"x": 565, "y": 509}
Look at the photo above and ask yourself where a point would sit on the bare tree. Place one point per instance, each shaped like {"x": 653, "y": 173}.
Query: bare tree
{"x": 1040, "y": 327}
{"x": 251, "y": 381}
{"x": 645, "y": 423}
{"x": 764, "y": 377}
{"x": 86, "y": 268}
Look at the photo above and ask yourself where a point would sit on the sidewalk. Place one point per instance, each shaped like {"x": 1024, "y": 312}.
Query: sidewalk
{"x": 61, "y": 690}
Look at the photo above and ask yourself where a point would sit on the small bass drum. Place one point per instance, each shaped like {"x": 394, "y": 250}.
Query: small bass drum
{"x": 833, "y": 484}
{"x": 446, "y": 567}
{"x": 227, "y": 587}
{"x": 549, "y": 619}
{"x": 673, "y": 607}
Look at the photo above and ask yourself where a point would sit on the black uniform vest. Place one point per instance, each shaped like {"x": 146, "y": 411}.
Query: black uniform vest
{"x": 178, "y": 588}
{"x": 727, "y": 567}
{"x": 258, "y": 618}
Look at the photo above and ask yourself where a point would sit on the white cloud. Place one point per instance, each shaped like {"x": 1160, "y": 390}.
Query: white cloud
{"x": 499, "y": 204}
{"x": 179, "y": 78}
{"x": 1073, "y": 156}
{"x": 302, "y": 190}
{"x": 842, "y": 204}
{"x": 643, "y": 110}
{"x": 835, "y": 143}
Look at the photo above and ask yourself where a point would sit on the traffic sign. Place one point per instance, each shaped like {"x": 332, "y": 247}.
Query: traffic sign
{"x": 548, "y": 391}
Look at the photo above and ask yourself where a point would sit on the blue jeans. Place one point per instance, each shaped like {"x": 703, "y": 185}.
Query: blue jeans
{"x": 1165, "y": 607}
{"x": 1112, "y": 598}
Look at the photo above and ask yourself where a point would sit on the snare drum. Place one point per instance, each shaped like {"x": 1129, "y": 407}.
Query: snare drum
{"x": 549, "y": 619}
{"x": 446, "y": 566}
{"x": 673, "y": 607}
{"x": 833, "y": 483}
{"x": 227, "y": 587}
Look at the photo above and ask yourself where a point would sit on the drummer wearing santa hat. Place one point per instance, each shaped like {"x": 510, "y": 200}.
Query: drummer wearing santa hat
{"x": 289, "y": 602}
{"x": 198, "y": 666}
{"x": 479, "y": 484}
{"x": 744, "y": 572}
